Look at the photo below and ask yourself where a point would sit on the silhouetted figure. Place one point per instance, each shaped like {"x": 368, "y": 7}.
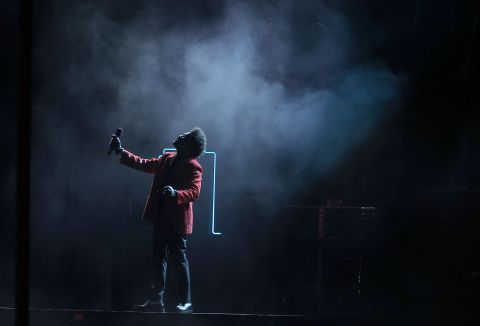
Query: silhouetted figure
{"x": 176, "y": 184}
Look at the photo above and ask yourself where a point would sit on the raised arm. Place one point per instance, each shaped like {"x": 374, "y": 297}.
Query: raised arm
{"x": 146, "y": 165}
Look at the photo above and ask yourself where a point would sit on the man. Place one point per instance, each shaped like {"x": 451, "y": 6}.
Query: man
{"x": 176, "y": 184}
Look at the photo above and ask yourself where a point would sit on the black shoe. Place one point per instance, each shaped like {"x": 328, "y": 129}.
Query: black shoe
{"x": 150, "y": 306}
{"x": 184, "y": 308}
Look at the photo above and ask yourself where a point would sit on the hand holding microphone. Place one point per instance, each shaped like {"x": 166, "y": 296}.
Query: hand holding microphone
{"x": 115, "y": 144}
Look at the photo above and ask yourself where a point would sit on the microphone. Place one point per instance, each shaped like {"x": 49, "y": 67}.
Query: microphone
{"x": 117, "y": 134}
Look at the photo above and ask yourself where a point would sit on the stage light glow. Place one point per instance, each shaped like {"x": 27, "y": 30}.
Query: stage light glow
{"x": 214, "y": 155}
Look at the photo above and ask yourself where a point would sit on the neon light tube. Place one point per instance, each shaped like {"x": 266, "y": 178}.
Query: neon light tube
{"x": 212, "y": 231}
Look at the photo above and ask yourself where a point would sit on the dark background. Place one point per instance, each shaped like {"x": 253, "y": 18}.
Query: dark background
{"x": 418, "y": 164}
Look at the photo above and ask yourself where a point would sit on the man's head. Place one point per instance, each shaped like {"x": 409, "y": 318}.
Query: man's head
{"x": 191, "y": 144}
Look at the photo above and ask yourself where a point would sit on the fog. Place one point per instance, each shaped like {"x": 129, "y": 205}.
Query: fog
{"x": 282, "y": 91}
{"x": 280, "y": 98}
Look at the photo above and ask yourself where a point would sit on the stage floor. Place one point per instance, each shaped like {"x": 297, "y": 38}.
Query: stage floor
{"x": 72, "y": 317}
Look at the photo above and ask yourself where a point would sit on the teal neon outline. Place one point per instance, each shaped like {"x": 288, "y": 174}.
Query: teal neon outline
{"x": 212, "y": 231}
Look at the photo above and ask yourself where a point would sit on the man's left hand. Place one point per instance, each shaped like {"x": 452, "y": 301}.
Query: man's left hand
{"x": 169, "y": 191}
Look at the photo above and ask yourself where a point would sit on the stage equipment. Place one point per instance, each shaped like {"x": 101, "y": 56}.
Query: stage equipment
{"x": 336, "y": 239}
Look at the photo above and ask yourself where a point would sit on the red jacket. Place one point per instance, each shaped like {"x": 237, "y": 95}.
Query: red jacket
{"x": 174, "y": 214}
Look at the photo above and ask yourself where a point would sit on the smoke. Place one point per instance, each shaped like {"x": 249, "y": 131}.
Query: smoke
{"x": 282, "y": 91}
{"x": 278, "y": 100}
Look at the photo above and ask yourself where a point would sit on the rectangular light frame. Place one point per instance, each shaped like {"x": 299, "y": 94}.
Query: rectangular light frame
{"x": 212, "y": 229}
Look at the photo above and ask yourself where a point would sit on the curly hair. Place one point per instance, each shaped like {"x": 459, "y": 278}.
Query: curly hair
{"x": 198, "y": 140}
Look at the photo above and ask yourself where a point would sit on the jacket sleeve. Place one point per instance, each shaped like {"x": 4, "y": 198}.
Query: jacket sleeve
{"x": 192, "y": 191}
{"x": 136, "y": 162}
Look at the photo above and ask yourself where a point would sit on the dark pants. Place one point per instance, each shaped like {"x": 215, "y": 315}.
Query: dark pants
{"x": 172, "y": 248}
